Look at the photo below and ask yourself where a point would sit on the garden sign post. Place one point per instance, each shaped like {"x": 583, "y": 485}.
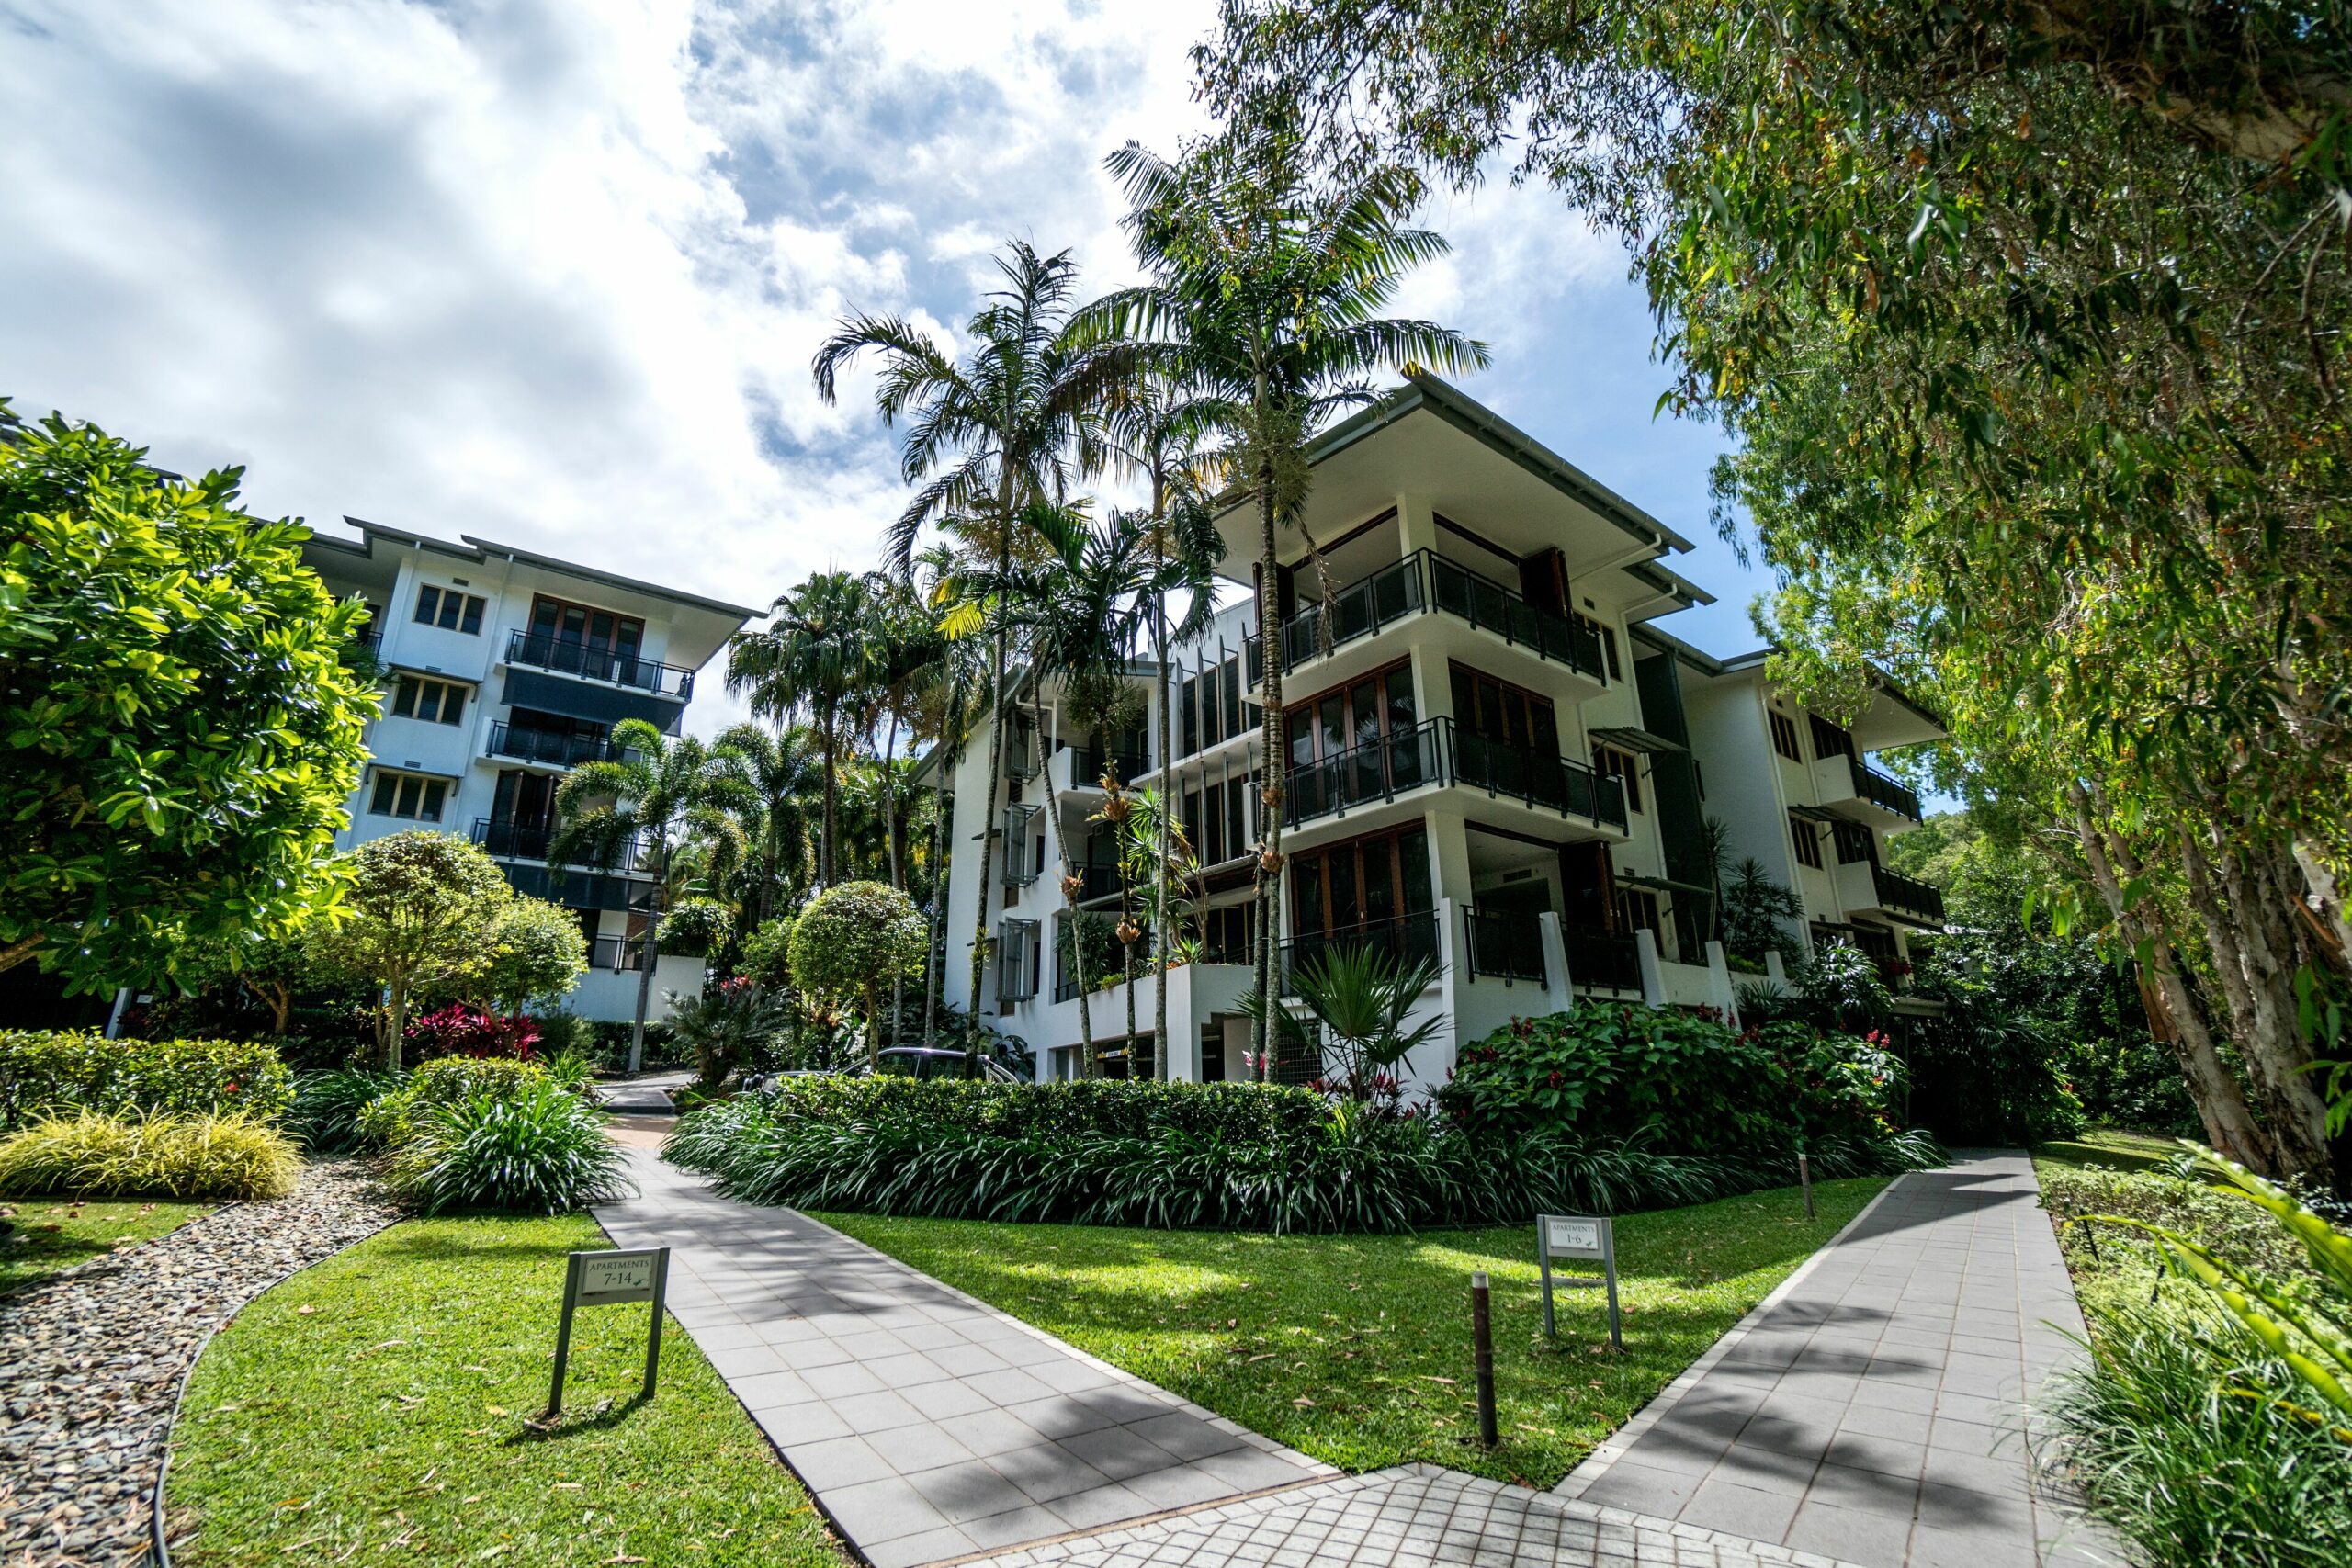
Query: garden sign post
{"x": 601, "y": 1278}
{"x": 1589, "y": 1238}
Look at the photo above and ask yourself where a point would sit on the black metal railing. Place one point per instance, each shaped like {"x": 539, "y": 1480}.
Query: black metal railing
{"x": 1095, "y": 882}
{"x": 619, "y": 954}
{"x": 526, "y": 744}
{"x": 1089, "y": 763}
{"x": 1604, "y": 961}
{"x": 1912, "y": 896}
{"x": 1405, "y": 939}
{"x": 615, "y": 667}
{"x": 1884, "y": 791}
{"x": 526, "y": 841}
{"x": 1506, "y": 947}
{"x": 1436, "y": 753}
{"x": 1423, "y": 580}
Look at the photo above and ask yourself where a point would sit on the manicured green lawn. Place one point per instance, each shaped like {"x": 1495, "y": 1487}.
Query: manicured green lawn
{"x": 57, "y": 1232}
{"x": 1356, "y": 1349}
{"x": 2108, "y": 1147}
{"x": 377, "y": 1404}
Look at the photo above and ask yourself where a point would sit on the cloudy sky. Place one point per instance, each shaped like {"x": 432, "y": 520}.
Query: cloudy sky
{"x": 551, "y": 271}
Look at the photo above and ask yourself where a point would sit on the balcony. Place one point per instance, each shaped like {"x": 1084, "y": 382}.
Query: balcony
{"x": 1435, "y": 752}
{"x": 1860, "y": 793}
{"x": 1508, "y": 948}
{"x": 518, "y": 840}
{"x": 1405, "y": 939}
{"x": 1425, "y": 581}
{"x": 1096, "y": 882}
{"x": 1604, "y": 961}
{"x": 604, "y": 666}
{"x": 552, "y": 748}
{"x": 1864, "y": 888}
{"x": 1077, "y": 769}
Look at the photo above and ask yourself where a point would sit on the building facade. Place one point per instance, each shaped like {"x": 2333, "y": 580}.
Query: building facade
{"x": 503, "y": 669}
{"x": 1495, "y": 760}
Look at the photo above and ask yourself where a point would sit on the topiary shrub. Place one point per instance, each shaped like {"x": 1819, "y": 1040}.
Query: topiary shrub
{"x": 392, "y": 1118}
{"x": 153, "y": 1156}
{"x": 852, "y": 941}
{"x": 529, "y": 1147}
{"x": 70, "y": 1070}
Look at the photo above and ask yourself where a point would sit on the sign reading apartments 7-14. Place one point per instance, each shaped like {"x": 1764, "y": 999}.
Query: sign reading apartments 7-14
{"x": 1586, "y": 1238}
{"x": 603, "y": 1278}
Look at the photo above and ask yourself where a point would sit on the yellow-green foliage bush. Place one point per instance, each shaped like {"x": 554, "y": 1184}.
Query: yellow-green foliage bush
{"x": 63, "y": 1070}
{"x": 390, "y": 1121}
{"x": 92, "y": 1155}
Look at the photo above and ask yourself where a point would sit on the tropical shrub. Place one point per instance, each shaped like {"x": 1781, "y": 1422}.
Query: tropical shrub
{"x": 69, "y": 1070}
{"x": 698, "y": 927}
{"x": 534, "y": 954}
{"x": 458, "y": 1030}
{"x": 1676, "y": 1083}
{"x": 150, "y": 1155}
{"x": 852, "y": 941}
{"x": 525, "y": 1145}
{"x": 392, "y": 1118}
{"x": 726, "y": 1027}
{"x": 324, "y": 1118}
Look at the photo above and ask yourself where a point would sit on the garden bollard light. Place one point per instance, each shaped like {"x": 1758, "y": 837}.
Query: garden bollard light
{"x": 1482, "y": 1337}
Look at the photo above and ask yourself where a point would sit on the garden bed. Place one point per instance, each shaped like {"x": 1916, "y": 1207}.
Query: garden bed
{"x": 1356, "y": 1349}
{"x": 380, "y": 1402}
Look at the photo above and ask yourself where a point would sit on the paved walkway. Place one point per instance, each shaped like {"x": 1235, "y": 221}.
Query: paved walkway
{"x": 1869, "y": 1410}
{"x": 926, "y": 1424}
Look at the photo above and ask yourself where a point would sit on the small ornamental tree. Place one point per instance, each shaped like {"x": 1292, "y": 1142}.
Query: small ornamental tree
{"x": 269, "y": 967}
{"x": 853, "y": 939}
{"x": 178, "y": 728}
{"x": 535, "y": 957}
{"x": 422, "y": 909}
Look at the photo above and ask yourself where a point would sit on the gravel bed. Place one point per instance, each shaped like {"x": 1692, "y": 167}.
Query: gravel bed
{"x": 91, "y": 1360}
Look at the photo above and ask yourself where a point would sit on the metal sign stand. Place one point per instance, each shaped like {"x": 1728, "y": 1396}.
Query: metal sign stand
{"x": 601, "y": 1278}
{"x": 1590, "y": 1239}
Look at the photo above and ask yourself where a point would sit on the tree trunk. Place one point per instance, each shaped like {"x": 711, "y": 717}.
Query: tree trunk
{"x": 825, "y": 856}
{"x": 1070, "y": 896}
{"x": 645, "y": 966}
{"x": 932, "y": 960}
{"x": 891, "y": 840}
{"x": 17, "y": 951}
{"x": 1271, "y": 775}
{"x": 395, "y": 1016}
{"x": 990, "y": 826}
{"x": 278, "y": 998}
{"x": 1161, "y": 1058}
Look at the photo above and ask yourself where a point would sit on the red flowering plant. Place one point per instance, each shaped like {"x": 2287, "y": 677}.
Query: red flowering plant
{"x": 460, "y": 1029}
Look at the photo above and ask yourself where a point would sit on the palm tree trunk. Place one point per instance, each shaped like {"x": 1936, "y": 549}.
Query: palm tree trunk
{"x": 1271, "y": 772}
{"x": 932, "y": 960}
{"x": 825, "y": 856}
{"x": 1062, "y": 853}
{"x": 645, "y": 964}
{"x": 1159, "y": 1057}
{"x": 891, "y": 840}
{"x": 990, "y": 824}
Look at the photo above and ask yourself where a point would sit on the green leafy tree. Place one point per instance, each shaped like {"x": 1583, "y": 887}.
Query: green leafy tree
{"x": 271, "y": 968}
{"x": 986, "y": 436}
{"x": 1263, "y": 291}
{"x": 853, "y": 939}
{"x": 178, "y": 729}
{"x": 417, "y": 923}
{"x": 818, "y": 657}
{"x": 535, "y": 954}
{"x": 645, "y": 805}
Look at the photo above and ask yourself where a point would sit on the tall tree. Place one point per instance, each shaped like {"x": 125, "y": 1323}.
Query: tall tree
{"x": 816, "y": 658}
{"x": 641, "y": 806}
{"x": 774, "y": 772}
{"x": 1264, "y": 292}
{"x": 985, "y": 437}
{"x": 949, "y": 695}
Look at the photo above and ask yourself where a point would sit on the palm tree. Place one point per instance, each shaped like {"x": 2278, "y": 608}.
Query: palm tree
{"x": 654, "y": 793}
{"x": 816, "y": 658}
{"x": 993, "y": 434}
{"x": 776, "y": 771}
{"x": 1262, "y": 297}
{"x": 1156, "y": 433}
{"x": 947, "y": 693}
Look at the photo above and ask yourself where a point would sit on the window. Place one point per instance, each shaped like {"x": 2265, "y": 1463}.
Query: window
{"x": 449, "y": 610}
{"x": 1808, "y": 842}
{"x": 1324, "y": 727}
{"x": 1784, "y": 737}
{"x": 1508, "y": 715}
{"x": 1188, "y": 716}
{"x": 434, "y": 702}
{"x": 1637, "y": 910}
{"x": 408, "y": 795}
{"x": 580, "y": 625}
{"x": 1607, "y": 638}
{"x": 1622, "y": 767}
{"x": 1363, "y": 882}
{"x": 1854, "y": 842}
{"x": 1213, "y": 820}
{"x": 1828, "y": 740}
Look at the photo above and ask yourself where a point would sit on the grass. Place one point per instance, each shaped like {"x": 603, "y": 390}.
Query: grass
{"x": 378, "y": 1403}
{"x": 57, "y": 1232}
{"x": 1356, "y": 1349}
{"x": 2107, "y": 1147}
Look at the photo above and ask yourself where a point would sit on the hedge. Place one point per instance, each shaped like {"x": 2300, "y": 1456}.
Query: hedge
{"x": 53, "y": 1072}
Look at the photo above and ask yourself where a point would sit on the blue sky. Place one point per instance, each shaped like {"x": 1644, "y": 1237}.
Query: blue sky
{"x": 550, "y": 272}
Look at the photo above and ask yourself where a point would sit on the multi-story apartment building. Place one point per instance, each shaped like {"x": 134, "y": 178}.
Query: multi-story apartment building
{"x": 1494, "y": 761}
{"x": 503, "y": 668}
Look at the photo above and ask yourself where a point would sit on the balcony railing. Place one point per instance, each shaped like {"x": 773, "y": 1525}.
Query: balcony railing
{"x": 619, "y": 954}
{"x": 1089, "y": 763}
{"x": 1508, "y": 948}
{"x": 518, "y": 841}
{"x": 1436, "y": 753}
{"x": 1604, "y": 961}
{"x": 1423, "y": 580}
{"x": 528, "y": 745}
{"x": 1095, "y": 882}
{"x": 1921, "y": 900}
{"x": 1883, "y": 792}
{"x": 1405, "y": 939}
{"x": 540, "y": 651}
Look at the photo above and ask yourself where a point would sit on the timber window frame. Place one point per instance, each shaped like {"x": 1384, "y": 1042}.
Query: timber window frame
{"x": 430, "y": 700}
{"x": 451, "y": 609}
{"x": 410, "y": 797}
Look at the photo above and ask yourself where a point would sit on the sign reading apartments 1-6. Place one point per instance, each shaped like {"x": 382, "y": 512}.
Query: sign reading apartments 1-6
{"x": 1585, "y": 1238}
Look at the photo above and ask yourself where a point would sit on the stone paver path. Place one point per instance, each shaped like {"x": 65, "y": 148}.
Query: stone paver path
{"x": 928, "y": 1425}
{"x": 1417, "y": 1516}
{"x": 1869, "y": 1410}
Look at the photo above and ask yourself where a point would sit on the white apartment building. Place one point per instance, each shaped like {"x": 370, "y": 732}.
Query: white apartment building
{"x": 504, "y": 669}
{"x": 1495, "y": 760}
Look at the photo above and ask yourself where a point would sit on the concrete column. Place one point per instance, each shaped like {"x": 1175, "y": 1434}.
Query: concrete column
{"x": 1450, "y": 849}
{"x": 1653, "y": 977}
{"x": 1719, "y": 986}
{"x": 1775, "y": 970}
{"x": 1556, "y": 962}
